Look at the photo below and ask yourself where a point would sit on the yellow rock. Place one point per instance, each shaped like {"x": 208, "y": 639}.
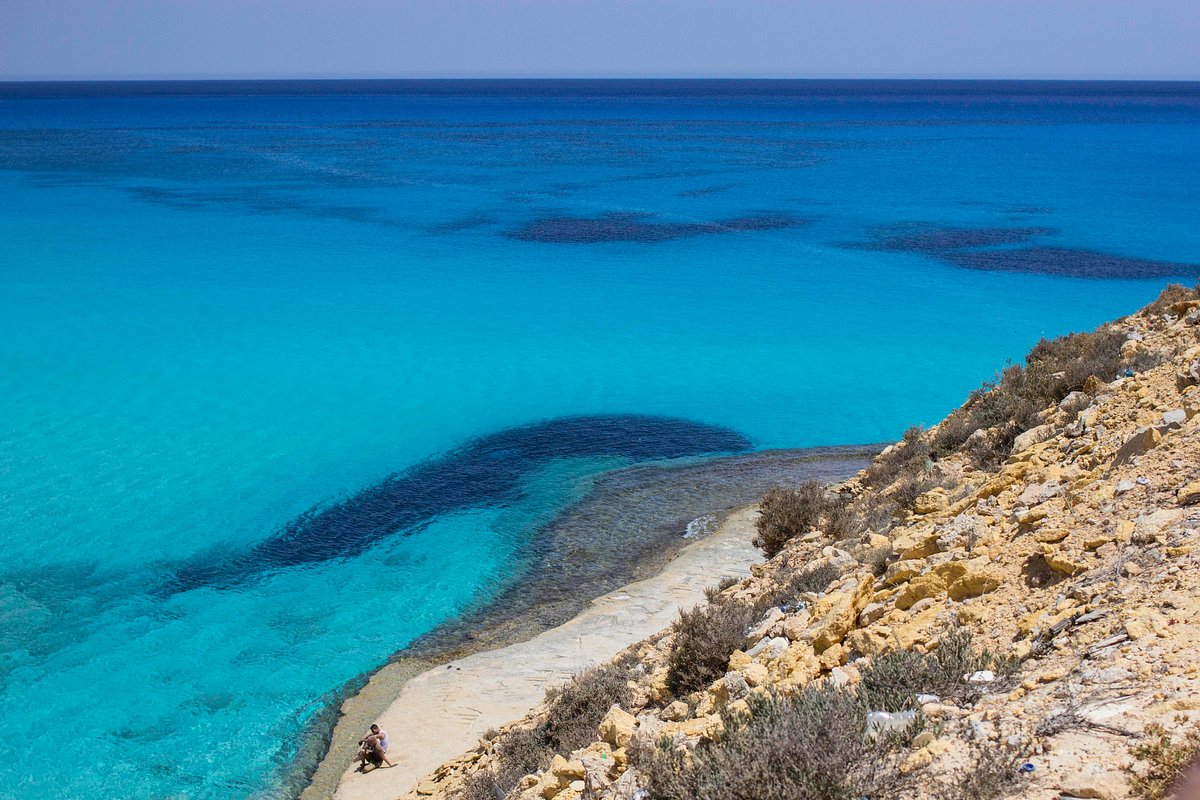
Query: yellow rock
{"x": 836, "y": 614}
{"x": 931, "y": 502}
{"x": 617, "y": 727}
{"x": 1062, "y": 562}
{"x": 973, "y": 583}
{"x": 831, "y": 657}
{"x": 1125, "y": 529}
{"x": 739, "y": 661}
{"x": 902, "y": 571}
{"x": 1051, "y": 535}
{"x": 916, "y": 546}
{"x": 755, "y": 674}
{"x": 923, "y": 757}
{"x": 968, "y": 615}
{"x": 930, "y": 585}
{"x": 1097, "y": 541}
{"x": 870, "y": 641}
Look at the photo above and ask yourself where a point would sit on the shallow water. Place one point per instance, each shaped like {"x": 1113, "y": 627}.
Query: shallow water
{"x": 223, "y": 311}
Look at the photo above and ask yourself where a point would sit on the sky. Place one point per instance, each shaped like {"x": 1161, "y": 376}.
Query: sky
{"x": 113, "y": 39}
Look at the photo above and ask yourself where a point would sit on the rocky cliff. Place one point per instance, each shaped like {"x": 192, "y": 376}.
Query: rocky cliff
{"x": 1003, "y": 605}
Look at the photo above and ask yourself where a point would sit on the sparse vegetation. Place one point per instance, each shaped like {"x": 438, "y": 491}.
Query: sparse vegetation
{"x": 705, "y": 637}
{"x": 575, "y": 709}
{"x": 1164, "y": 760}
{"x": 1009, "y": 406}
{"x": 786, "y": 513}
{"x": 893, "y": 680}
{"x": 808, "y": 747}
{"x": 812, "y": 579}
{"x": 909, "y": 456}
{"x": 1172, "y": 294}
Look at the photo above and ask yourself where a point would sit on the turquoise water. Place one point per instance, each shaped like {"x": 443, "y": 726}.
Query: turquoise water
{"x": 221, "y": 307}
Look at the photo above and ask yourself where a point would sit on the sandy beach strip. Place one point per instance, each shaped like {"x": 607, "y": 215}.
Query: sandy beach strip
{"x": 443, "y": 711}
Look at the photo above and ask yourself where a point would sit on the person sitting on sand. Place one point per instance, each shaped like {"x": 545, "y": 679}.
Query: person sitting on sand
{"x": 373, "y": 747}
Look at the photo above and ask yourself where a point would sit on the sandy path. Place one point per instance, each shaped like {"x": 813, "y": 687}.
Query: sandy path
{"x": 444, "y": 711}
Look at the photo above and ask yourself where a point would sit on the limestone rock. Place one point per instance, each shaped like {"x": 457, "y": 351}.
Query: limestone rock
{"x": 617, "y": 727}
{"x": 920, "y": 588}
{"x": 902, "y": 571}
{"x": 1142, "y": 441}
{"x": 1094, "y": 781}
{"x": 1031, "y": 437}
{"x": 973, "y": 583}
{"x": 678, "y": 710}
{"x": 1062, "y": 562}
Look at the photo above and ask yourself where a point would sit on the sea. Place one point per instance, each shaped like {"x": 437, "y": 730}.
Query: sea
{"x": 294, "y": 373}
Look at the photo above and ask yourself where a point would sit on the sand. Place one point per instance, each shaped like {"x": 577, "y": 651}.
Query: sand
{"x": 442, "y": 712}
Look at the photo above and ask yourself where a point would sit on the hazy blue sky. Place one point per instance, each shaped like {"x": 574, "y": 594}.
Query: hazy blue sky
{"x": 402, "y": 38}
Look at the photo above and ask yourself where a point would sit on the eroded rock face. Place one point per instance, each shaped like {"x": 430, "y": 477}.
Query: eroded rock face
{"x": 1079, "y": 557}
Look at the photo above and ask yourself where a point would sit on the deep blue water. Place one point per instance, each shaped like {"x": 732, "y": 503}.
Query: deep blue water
{"x": 269, "y": 349}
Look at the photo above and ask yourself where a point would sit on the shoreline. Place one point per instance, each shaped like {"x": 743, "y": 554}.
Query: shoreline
{"x": 438, "y": 713}
{"x": 627, "y": 530}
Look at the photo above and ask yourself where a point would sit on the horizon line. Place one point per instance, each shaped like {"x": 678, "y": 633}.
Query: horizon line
{"x": 607, "y": 77}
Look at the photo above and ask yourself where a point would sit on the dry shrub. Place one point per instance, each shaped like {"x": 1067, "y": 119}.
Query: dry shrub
{"x": 575, "y": 710}
{"x": 1165, "y": 761}
{"x": 812, "y": 579}
{"x": 811, "y": 746}
{"x": 577, "y": 707}
{"x": 1010, "y": 405}
{"x": 1172, "y": 294}
{"x": 909, "y": 457}
{"x": 520, "y": 752}
{"x": 786, "y": 513}
{"x": 893, "y": 680}
{"x": 480, "y": 786}
{"x": 878, "y": 559}
{"x": 705, "y": 638}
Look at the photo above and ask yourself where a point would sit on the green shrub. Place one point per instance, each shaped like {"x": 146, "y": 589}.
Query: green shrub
{"x": 705, "y": 638}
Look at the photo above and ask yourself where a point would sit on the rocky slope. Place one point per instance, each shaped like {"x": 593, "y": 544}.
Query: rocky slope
{"x": 1065, "y": 542}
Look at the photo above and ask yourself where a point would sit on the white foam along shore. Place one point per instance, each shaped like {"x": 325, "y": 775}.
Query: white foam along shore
{"x": 443, "y": 711}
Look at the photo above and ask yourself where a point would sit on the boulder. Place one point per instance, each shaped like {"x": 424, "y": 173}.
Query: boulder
{"x": 1031, "y": 437}
{"x": 1094, "y": 781}
{"x": 617, "y": 727}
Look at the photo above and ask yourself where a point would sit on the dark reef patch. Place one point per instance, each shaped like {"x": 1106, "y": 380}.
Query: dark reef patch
{"x": 1073, "y": 263}
{"x": 996, "y": 249}
{"x": 936, "y": 240}
{"x": 484, "y": 472}
{"x": 624, "y": 227}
